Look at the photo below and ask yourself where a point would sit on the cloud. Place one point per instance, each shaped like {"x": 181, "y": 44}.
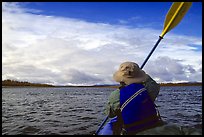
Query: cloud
{"x": 59, "y": 50}
{"x": 169, "y": 70}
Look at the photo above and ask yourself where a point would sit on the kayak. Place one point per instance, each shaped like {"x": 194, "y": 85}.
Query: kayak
{"x": 108, "y": 128}
{"x": 166, "y": 129}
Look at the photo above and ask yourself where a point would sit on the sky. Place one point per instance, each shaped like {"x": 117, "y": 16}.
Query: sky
{"x": 83, "y": 43}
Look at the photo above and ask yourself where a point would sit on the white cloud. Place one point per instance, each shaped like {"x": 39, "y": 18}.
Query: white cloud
{"x": 60, "y": 50}
{"x": 168, "y": 69}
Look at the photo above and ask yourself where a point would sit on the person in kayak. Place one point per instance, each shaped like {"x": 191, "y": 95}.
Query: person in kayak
{"x": 133, "y": 103}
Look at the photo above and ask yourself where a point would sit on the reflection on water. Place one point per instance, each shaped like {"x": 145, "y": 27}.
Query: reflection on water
{"x": 79, "y": 111}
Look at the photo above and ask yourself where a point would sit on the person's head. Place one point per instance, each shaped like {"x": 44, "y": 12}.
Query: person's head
{"x": 129, "y": 72}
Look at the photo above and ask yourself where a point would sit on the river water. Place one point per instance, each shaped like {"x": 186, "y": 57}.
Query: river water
{"x": 79, "y": 111}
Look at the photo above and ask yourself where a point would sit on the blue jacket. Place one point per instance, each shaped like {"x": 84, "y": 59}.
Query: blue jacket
{"x": 138, "y": 111}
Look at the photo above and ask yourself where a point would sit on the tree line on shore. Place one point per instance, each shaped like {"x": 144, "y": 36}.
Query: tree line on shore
{"x": 9, "y": 82}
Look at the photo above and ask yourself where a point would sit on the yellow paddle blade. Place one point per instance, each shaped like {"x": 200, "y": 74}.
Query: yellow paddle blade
{"x": 175, "y": 15}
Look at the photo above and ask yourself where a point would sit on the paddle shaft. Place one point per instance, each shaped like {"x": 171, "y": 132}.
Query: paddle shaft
{"x": 160, "y": 38}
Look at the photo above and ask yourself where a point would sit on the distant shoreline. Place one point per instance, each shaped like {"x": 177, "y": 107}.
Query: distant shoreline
{"x": 13, "y": 83}
{"x": 101, "y": 86}
{"x": 181, "y": 84}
